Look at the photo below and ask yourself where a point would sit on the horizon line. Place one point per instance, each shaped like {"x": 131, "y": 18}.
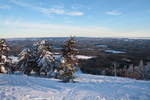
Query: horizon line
{"x": 75, "y": 37}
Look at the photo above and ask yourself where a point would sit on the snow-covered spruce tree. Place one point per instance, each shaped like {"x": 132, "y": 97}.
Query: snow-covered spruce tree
{"x": 26, "y": 62}
{"x": 28, "y": 59}
{"x": 46, "y": 60}
{"x": 69, "y": 61}
{"x": 35, "y": 56}
{"x": 5, "y": 62}
{"x": 38, "y": 59}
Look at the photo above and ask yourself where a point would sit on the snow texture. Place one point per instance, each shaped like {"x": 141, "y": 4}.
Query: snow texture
{"x": 87, "y": 87}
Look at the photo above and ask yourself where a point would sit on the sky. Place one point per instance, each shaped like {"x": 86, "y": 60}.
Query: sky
{"x": 84, "y": 18}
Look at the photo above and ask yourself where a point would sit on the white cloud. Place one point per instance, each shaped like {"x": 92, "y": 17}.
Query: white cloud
{"x": 75, "y": 13}
{"x": 51, "y": 11}
{"x": 76, "y": 6}
{"x": 5, "y": 7}
{"x": 114, "y": 12}
{"x": 57, "y": 10}
{"x": 20, "y": 3}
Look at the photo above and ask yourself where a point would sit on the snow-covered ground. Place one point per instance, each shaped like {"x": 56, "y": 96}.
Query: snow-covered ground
{"x": 87, "y": 87}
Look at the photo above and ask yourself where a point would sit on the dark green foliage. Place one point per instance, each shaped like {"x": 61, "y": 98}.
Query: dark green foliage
{"x": 69, "y": 61}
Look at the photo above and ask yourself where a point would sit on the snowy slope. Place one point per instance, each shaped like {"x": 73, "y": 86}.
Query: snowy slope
{"x": 87, "y": 87}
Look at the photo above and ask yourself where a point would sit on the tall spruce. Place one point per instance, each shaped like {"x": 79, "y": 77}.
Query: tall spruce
{"x": 46, "y": 60}
{"x": 5, "y": 62}
{"x": 25, "y": 61}
{"x": 69, "y": 61}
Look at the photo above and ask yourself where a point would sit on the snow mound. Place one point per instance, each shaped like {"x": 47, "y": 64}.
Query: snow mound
{"x": 87, "y": 87}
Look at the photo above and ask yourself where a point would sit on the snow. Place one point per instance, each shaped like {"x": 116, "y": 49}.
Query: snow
{"x": 84, "y": 57}
{"x": 2, "y": 68}
{"x": 114, "y": 51}
{"x": 14, "y": 59}
{"x": 57, "y": 56}
{"x": 5, "y": 58}
{"x": 56, "y": 53}
{"x": 87, "y": 87}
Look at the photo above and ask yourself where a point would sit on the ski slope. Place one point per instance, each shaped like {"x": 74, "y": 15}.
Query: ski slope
{"x": 87, "y": 87}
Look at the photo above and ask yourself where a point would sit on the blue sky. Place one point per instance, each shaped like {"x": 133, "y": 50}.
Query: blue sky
{"x": 93, "y": 18}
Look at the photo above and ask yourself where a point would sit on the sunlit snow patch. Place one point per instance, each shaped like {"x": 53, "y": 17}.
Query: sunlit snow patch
{"x": 114, "y": 51}
{"x": 84, "y": 57}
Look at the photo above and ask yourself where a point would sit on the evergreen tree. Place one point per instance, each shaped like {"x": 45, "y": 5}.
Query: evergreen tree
{"x": 5, "y": 62}
{"x": 28, "y": 60}
{"x": 69, "y": 61}
{"x": 46, "y": 60}
{"x": 147, "y": 71}
{"x": 38, "y": 59}
{"x": 25, "y": 61}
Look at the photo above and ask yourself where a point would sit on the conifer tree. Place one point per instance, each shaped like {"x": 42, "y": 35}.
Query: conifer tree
{"x": 5, "y": 62}
{"x": 46, "y": 60}
{"x": 25, "y": 61}
{"x": 69, "y": 61}
{"x": 28, "y": 60}
{"x": 38, "y": 59}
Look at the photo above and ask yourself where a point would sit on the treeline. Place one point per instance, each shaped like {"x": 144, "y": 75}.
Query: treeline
{"x": 116, "y": 65}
